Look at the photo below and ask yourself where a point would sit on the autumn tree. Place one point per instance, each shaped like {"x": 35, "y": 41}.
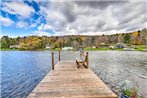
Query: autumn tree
{"x": 83, "y": 38}
{"x": 144, "y": 36}
{"x": 75, "y": 44}
{"x": 59, "y": 43}
{"x": 31, "y": 43}
{"x": 79, "y": 40}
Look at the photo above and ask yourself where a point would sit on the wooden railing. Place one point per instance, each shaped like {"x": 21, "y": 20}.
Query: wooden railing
{"x": 59, "y": 56}
{"x": 87, "y": 59}
{"x": 53, "y": 61}
{"x": 59, "y": 59}
{"x": 53, "y": 64}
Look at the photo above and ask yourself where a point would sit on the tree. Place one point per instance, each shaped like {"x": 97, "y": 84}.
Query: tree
{"x": 83, "y": 38}
{"x": 5, "y": 42}
{"x": 136, "y": 38}
{"x": 32, "y": 43}
{"x": 75, "y": 44}
{"x": 93, "y": 40}
{"x": 144, "y": 36}
{"x": 18, "y": 40}
{"x": 59, "y": 43}
{"x": 127, "y": 38}
{"x": 12, "y": 41}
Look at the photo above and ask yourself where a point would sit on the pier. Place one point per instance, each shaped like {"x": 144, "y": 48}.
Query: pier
{"x": 65, "y": 80}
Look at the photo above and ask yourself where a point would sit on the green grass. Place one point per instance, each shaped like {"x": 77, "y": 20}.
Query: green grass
{"x": 8, "y": 49}
{"x": 100, "y": 49}
{"x": 127, "y": 93}
{"x": 137, "y": 48}
{"x": 56, "y": 49}
{"x": 13, "y": 49}
{"x": 140, "y": 47}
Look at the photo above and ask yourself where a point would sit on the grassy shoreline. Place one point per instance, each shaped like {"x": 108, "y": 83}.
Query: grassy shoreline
{"x": 135, "y": 47}
{"x": 97, "y": 49}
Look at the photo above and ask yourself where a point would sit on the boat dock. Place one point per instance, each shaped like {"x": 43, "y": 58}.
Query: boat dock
{"x": 65, "y": 80}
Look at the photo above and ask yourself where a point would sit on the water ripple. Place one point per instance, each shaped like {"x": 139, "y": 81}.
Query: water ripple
{"x": 23, "y": 70}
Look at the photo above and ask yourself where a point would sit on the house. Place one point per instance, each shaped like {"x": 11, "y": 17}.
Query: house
{"x": 103, "y": 45}
{"x": 48, "y": 47}
{"x": 67, "y": 48}
{"x": 14, "y": 46}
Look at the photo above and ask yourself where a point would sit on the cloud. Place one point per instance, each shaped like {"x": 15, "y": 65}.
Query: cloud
{"x": 41, "y": 33}
{"x": 33, "y": 25}
{"x": 67, "y": 31}
{"x": 44, "y": 27}
{"x": 18, "y": 8}
{"x": 69, "y": 14}
{"x": 81, "y": 17}
{"x": 22, "y": 24}
{"x": 6, "y": 21}
{"x": 99, "y": 4}
{"x": 94, "y": 17}
{"x": 54, "y": 17}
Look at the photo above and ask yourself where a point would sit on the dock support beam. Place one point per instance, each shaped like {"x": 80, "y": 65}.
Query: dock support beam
{"x": 87, "y": 59}
{"x": 59, "y": 56}
{"x": 52, "y": 60}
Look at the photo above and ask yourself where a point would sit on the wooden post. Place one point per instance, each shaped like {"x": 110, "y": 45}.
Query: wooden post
{"x": 59, "y": 56}
{"x": 87, "y": 60}
{"x": 52, "y": 60}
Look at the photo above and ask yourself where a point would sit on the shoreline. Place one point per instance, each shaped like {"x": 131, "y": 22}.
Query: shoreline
{"x": 74, "y": 50}
{"x": 128, "y": 48}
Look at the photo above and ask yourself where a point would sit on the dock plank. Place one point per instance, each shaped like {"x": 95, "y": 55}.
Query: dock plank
{"x": 66, "y": 81}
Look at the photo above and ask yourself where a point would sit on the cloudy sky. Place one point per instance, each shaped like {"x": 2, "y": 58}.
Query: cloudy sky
{"x": 60, "y": 17}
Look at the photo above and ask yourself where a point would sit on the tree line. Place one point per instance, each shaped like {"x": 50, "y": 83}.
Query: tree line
{"x": 37, "y": 42}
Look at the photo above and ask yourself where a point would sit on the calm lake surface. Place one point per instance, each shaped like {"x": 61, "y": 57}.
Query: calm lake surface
{"x": 21, "y": 71}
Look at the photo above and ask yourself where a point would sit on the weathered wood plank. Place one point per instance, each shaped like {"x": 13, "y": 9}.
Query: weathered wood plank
{"x": 66, "y": 81}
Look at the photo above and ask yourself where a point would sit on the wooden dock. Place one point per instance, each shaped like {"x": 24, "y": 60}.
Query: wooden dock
{"x": 67, "y": 81}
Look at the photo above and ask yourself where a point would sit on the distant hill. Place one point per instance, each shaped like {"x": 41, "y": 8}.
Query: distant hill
{"x": 36, "y": 42}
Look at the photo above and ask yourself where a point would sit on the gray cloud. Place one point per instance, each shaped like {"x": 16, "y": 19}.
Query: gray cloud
{"x": 67, "y": 10}
{"x": 100, "y": 4}
{"x": 84, "y": 17}
{"x": 137, "y": 10}
{"x": 100, "y": 24}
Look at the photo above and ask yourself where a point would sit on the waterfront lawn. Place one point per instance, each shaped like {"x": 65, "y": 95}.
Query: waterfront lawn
{"x": 136, "y": 48}
{"x": 101, "y": 49}
{"x": 8, "y": 49}
{"x": 140, "y": 47}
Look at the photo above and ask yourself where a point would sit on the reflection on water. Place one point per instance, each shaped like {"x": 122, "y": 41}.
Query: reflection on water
{"x": 23, "y": 70}
{"x": 113, "y": 67}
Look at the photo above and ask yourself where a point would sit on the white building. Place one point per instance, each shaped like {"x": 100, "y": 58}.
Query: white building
{"x": 14, "y": 46}
{"x": 67, "y": 48}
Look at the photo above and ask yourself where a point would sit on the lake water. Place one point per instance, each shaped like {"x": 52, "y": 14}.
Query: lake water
{"x": 21, "y": 71}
